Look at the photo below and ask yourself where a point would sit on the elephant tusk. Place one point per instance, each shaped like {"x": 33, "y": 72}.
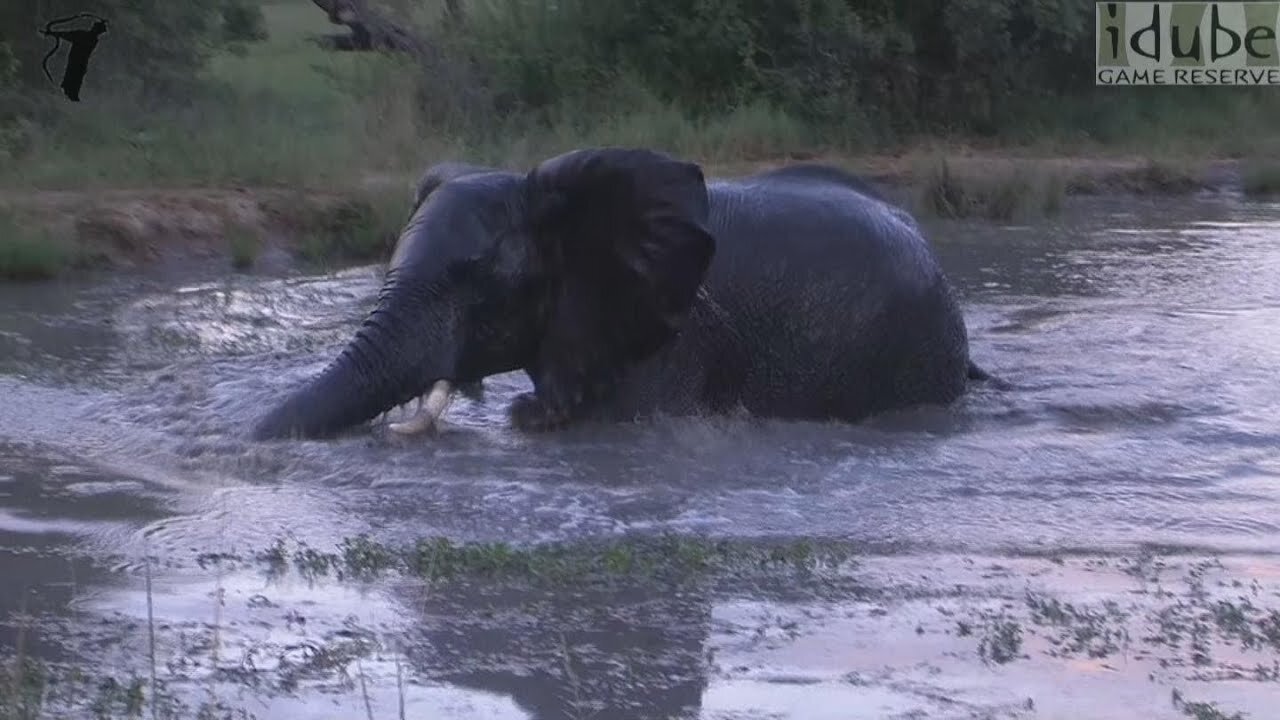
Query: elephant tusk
{"x": 430, "y": 410}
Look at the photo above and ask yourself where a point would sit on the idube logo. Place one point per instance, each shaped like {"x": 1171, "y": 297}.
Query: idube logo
{"x": 1187, "y": 43}
{"x": 82, "y": 41}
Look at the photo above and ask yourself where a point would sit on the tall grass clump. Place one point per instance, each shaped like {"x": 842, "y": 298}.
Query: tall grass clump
{"x": 1166, "y": 175}
{"x": 996, "y": 191}
{"x": 29, "y": 252}
{"x": 362, "y": 227}
{"x": 245, "y": 244}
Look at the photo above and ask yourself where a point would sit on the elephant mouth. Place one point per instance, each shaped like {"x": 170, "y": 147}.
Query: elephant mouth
{"x": 430, "y": 410}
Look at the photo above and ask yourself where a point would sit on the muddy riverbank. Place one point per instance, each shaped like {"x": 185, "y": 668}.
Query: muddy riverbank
{"x": 272, "y": 230}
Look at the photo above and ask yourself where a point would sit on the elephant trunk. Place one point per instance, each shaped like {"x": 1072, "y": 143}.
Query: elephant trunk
{"x": 393, "y": 358}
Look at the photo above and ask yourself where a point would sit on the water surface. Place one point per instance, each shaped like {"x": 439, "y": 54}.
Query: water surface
{"x": 1140, "y": 338}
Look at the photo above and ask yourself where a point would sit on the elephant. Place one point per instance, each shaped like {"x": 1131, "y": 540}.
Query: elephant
{"x": 626, "y": 285}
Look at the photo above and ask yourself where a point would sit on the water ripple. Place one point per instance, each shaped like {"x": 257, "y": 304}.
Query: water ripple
{"x": 1138, "y": 340}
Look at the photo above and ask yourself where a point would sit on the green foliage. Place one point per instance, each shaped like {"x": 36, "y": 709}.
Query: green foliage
{"x": 27, "y": 254}
{"x": 1002, "y": 192}
{"x": 11, "y": 120}
{"x": 23, "y": 681}
{"x": 938, "y": 64}
{"x": 1262, "y": 177}
{"x": 149, "y": 58}
{"x": 245, "y": 245}
{"x": 8, "y": 67}
{"x": 647, "y": 558}
{"x": 356, "y": 229}
{"x": 243, "y": 21}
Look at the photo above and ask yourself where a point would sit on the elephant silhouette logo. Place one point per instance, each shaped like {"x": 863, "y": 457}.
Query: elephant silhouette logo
{"x": 83, "y": 42}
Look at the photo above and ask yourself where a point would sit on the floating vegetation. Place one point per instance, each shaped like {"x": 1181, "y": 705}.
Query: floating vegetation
{"x": 1093, "y": 633}
{"x": 439, "y": 559}
{"x": 1001, "y": 640}
{"x": 1202, "y": 710}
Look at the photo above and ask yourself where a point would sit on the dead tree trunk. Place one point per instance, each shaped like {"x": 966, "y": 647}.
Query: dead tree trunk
{"x": 370, "y": 30}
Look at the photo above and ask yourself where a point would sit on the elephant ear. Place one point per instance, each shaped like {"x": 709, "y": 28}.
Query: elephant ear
{"x": 439, "y": 174}
{"x": 624, "y": 237}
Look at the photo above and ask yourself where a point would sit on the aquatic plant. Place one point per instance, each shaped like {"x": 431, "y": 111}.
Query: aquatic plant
{"x": 670, "y": 556}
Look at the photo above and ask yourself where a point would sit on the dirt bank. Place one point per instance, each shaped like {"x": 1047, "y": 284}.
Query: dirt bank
{"x": 246, "y": 227}
{"x": 271, "y": 229}
{"x": 1081, "y": 175}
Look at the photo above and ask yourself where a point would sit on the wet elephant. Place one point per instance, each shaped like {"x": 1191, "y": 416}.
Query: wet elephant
{"x": 625, "y": 284}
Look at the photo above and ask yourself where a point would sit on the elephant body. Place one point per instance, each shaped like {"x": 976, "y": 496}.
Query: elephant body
{"x": 822, "y": 302}
{"x": 626, "y": 285}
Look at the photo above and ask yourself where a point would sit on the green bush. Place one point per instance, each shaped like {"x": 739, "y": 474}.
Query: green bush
{"x": 243, "y": 21}
{"x": 10, "y": 119}
{"x": 28, "y": 252}
{"x": 358, "y": 229}
{"x": 1000, "y": 192}
{"x": 905, "y": 66}
{"x": 1261, "y": 177}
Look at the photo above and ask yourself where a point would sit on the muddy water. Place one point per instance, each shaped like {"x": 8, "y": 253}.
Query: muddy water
{"x": 1141, "y": 438}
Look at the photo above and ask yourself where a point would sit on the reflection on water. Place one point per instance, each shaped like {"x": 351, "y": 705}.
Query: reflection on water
{"x": 1139, "y": 337}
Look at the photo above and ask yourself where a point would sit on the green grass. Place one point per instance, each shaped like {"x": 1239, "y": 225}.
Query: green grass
{"x": 644, "y": 559}
{"x": 1004, "y": 191}
{"x": 755, "y": 131}
{"x": 285, "y": 112}
{"x": 28, "y": 252}
{"x": 1167, "y": 176}
{"x": 245, "y": 244}
{"x": 286, "y": 64}
{"x": 359, "y": 228}
{"x": 1261, "y": 177}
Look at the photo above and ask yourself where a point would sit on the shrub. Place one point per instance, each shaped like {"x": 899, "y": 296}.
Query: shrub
{"x": 950, "y": 64}
{"x": 1262, "y": 177}
{"x": 243, "y": 21}
{"x": 27, "y": 253}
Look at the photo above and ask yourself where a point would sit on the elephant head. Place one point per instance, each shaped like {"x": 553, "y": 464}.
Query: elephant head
{"x": 572, "y": 272}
